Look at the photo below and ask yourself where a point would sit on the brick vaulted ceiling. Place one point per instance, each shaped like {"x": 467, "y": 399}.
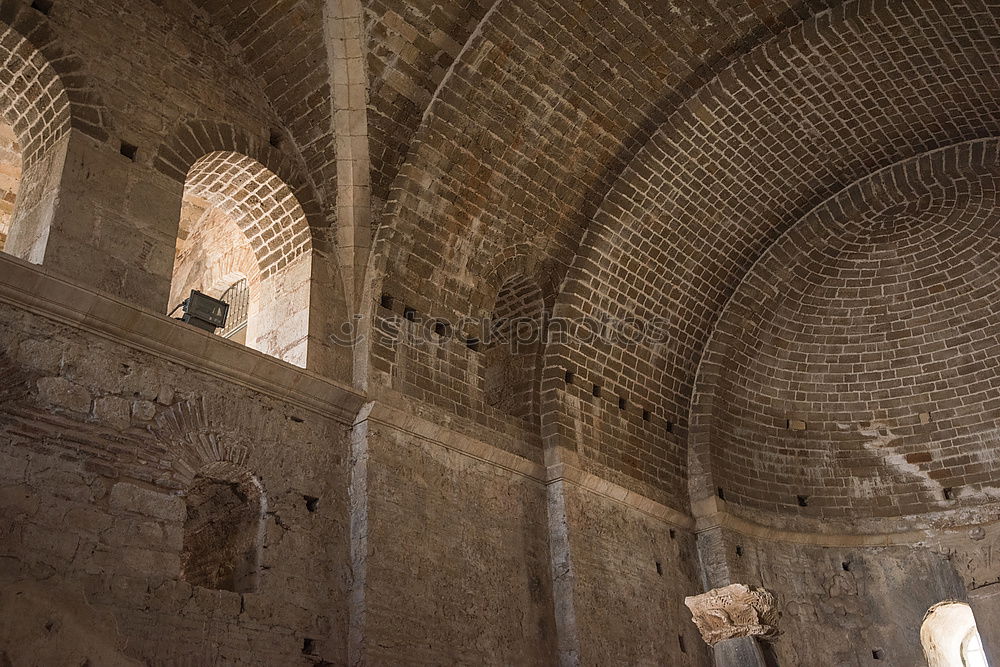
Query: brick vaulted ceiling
{"x": 775, "y": 135}
{"x": 282, "y": 43}
{"x": 641, "y": 155}
{"x": 592, "y": 78}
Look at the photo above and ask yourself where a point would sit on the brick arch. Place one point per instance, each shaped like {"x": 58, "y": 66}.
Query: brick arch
{"x": 258, "y": 201}
{"x": 201, "y": 442}
{"x": 770, "y": 138}
{"x": 550, "y": 146}
{"x": 48, "y": 91}
{"x": 526, "y": 131}
{"x": 513, "y": 348}
{"x": 521, "y": 262}
{"x": 194, "y": 140}
{"x": 852, "y": 374}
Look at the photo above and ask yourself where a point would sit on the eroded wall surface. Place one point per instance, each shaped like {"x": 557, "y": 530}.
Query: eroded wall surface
{"x": 631, "y": 574}
{"x": 98, "y": 442}
{"x": 457, "y": 568}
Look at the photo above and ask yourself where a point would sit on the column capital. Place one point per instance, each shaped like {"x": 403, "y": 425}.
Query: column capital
{"x": 734, "y": 611}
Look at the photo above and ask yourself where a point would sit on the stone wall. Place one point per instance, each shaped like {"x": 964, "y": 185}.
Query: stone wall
{"x": 99, "y": 443}
{"x": 428, "y": 161}
{"x": 631, "y": 571}
{"x": 457, "y": 567}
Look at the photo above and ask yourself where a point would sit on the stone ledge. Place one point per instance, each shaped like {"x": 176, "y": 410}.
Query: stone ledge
{"x": 384, "y": 413}
{"x": 893, "y": 536}
{"x": 32, "y": 288}
{"x": 610, "y": 490}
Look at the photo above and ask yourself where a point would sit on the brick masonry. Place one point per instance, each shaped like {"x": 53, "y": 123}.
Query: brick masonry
{"x": 799, "y": 192}
{"x": 863, "y": 385}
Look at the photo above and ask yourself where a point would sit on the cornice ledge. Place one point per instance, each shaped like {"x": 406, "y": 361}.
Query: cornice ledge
{"x": 32, "y": 288}
{"x": 564, "y": 472}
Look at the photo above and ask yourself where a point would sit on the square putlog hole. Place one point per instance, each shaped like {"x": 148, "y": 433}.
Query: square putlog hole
{"x": 128, "y": 150}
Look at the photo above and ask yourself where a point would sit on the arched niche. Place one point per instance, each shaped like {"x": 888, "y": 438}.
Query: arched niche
{"x": 223, "y": 529}
{"x": 512, "y": 350}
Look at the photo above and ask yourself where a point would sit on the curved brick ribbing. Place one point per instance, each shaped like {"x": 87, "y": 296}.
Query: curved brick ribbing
{"x": 281, "y": 41}
{"x": 197, "y": 444}
{"x": 410, "y": 48}
{"x": 33, "y": 100}
{"x": 258, "y": 201}
{"x": 853, "y": 374}
{"x": 46, "y": 89}
{"x": 526, "y": 131}
{"x": 519, "y": 142}
{"x": 196, "y": 139}
{"x": 769, "y": 139}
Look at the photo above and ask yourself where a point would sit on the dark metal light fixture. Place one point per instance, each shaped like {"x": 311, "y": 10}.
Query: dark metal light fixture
{"x": 205, "y": 312}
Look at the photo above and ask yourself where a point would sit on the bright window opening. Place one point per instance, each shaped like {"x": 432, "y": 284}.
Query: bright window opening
{"x": 243, "y": 239}
{"x": 973, "y": 654}
{"x": 10, "y": 178}
{"x": 950, "y": 638}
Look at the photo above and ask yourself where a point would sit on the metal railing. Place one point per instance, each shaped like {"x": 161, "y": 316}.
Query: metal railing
{"x": 238, "y": 298}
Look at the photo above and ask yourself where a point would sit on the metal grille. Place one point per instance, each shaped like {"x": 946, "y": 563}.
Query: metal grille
{"x": 238, "y": 298}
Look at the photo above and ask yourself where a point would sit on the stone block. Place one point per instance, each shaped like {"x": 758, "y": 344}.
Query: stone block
{"x": 113, "y": 411}
{"x": 128, "y": 497}
{"x": 60, "y": 392}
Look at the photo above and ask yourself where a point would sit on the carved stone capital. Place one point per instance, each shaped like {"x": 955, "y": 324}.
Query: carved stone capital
{"x": 734, "y": 611}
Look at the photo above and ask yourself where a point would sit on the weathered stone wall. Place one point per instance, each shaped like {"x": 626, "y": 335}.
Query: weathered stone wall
{"x": 630, "y": 574}
{"x": 457, "y": 567}
{"x": 632, "y": 160}
{"x": 840, "y": 605}
{"x": 99, "y": 443}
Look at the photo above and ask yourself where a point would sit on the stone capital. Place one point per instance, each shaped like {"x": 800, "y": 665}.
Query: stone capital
{"x": 734, "y": 611}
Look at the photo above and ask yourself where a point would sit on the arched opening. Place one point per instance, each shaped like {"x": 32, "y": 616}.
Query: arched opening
{"x": 34, "y": 128}
{"x": 950, "y": 638}
{"x": 513, "y": 348}
{"x": 243, "y": 239}
{"x": 10, "y": 178}
{"x": 223, "y": 531}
